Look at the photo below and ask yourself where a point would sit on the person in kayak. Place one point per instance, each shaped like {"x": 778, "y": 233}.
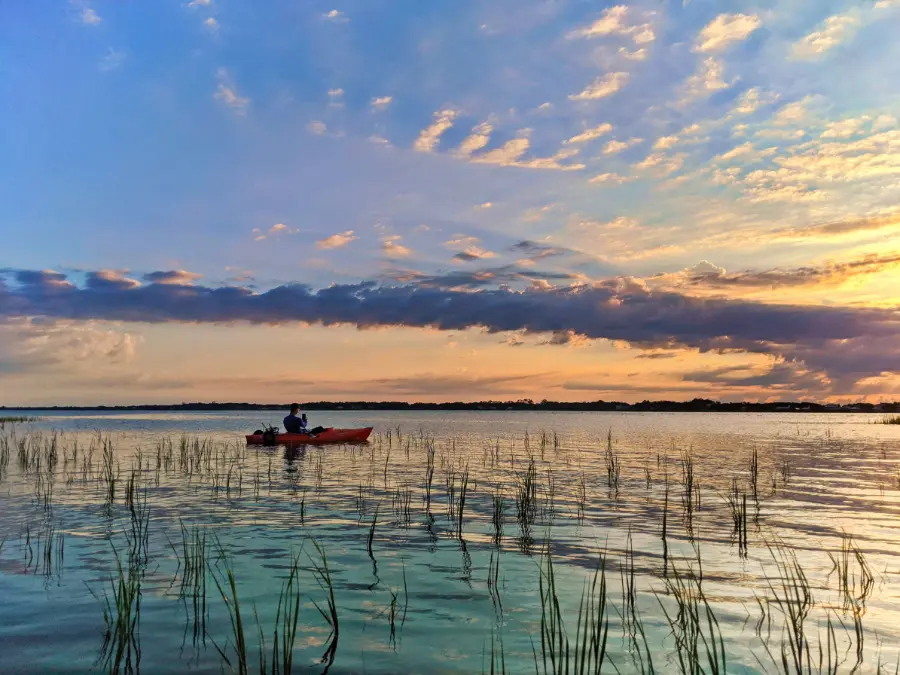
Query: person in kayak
{"x": 294, "y": 424}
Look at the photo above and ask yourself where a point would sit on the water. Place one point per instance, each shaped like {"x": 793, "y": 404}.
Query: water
{"x": 820, "y": 477}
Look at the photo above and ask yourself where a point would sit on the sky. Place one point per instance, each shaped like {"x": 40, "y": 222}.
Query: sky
{"x": 454, "y": 200}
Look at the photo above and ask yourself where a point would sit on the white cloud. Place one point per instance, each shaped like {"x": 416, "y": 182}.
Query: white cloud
{"x": 86, "y": 14}
{"x": 211, "y": 25}
{"x": 506, "y": 154}
{"x": 336, "y": 98}
{"x": 614, "y": 147}
{"x": 381, "y": 102}
{"x": 834, "y": 30}
{"x": 511, "y": 153}
{"x": 751, "y": 100}
{"x": 708, "y": 79}
{"x": 610, "y": 22}
{"x": 335, "y": 15}
{"x": 665, "y": 142}
{"x": 602, "y": 87}
{"x": 193, "y": 4}
{"x": 610, "y": 178}
{"x": 317, "y": 127}
{"x": 429, "y": 137}
{"x": 391, "y": 247}
{"x": 738, "y": 151}
{"x": 663, "y": 163}
{"x": 636, "y": 55}
{"x": 793, "y": 112}
{"x": 276, "y": 230}
{"x": 478, "y": 139}
{"x": 591, "y": 134}
{"x": 613, "y": 21}
{"x": 112, "y": 61}
{"x": 726, "y": 29}
{"x": 883, "y": 122}
{"x": 845, "y": 128}
{"x": 337, "y": 240}
{"x": 227, "y": 92}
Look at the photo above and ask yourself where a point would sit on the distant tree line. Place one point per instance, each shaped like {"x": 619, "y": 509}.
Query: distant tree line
{"x": 694, "y": 405}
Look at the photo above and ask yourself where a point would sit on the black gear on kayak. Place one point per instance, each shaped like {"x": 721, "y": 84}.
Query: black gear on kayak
{"x": 269, "y": 437}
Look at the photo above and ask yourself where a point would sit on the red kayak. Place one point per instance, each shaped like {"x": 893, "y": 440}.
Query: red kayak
{"x": 330, "y": 435}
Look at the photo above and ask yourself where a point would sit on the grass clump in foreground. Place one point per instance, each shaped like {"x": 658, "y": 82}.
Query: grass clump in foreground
{"x": 889, "y": 419}
{"x": 587, "y": 653}
{"x": 286, "y": 618}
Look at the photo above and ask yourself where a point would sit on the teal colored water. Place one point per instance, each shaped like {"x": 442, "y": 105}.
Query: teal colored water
{"x": 821, "y": 479}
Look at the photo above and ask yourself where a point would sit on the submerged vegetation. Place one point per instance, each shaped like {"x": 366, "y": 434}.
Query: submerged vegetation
{"x": 177, "y": 518}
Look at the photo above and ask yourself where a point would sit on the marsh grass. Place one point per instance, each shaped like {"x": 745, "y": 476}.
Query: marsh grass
{"x": 798, "y": 636}
{"x": 121, "y": 648}
{"x": 587, "y": 652}
{"x": 699, "y": 646}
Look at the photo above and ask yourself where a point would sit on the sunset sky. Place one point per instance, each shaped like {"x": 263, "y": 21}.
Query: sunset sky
{"x": 449, "y": 200}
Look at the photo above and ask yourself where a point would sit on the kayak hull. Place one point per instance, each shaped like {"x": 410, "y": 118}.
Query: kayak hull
{"x": 330, "y": 435}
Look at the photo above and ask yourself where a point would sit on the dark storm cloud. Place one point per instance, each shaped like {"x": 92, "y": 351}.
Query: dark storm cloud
{"x": 824, "y": 337}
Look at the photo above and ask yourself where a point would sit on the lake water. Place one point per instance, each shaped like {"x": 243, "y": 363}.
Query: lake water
{"x": 425, "y": 592}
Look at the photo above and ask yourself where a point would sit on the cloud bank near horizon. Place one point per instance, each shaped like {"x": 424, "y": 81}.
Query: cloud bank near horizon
{"x": 844, "y": 344}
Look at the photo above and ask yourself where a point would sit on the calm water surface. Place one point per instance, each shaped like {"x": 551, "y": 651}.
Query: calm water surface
{"x": 821, "y": 479}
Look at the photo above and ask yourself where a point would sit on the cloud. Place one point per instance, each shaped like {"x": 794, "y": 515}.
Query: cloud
{"x": 211, "y": 25}
{"x": 194, "y": 4}
{"x": 392, "y": 247}
{"x": 478, "y": 139}
{"x": 511, "y": 154}
{"x": 709, "y": 78}
{"x": 613, "y": 21}
{"x": 602, "y": 87}
{"x": 337, "y": 240}
{"x": 86, "y": 14}
{"x": 665, "y": 142}
{"x": 473, "y": 253}
{"x": 725, "y": 30}
{"x": 835, "y": 30}
{"x": 751, "y": 101}
{"x": 59, "y": 347}
{"x": 335, "y": 15}
{"x": 836, "y": 340}
{"x": 614, "y": 147}
{"x": 227, "y": 92}
{"x": 610, "y": 178}
{"x": 276, "y": 230}
{"x": 705, "y": 276}
{"x": 590, "y": 134}
{"x": 112, "y": 61}
{"x": 172, "y": 277}
{"x": 566, "y": 338}
{"x": 429, "y": 137}
{"x": 317, "y": 127}
{"x": 381, "y": 102}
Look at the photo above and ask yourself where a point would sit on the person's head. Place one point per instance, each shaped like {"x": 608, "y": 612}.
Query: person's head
{"x": 295, "y": 407}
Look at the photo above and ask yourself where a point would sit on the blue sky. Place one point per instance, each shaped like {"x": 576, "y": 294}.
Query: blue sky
{"x": 731, "y": 150}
